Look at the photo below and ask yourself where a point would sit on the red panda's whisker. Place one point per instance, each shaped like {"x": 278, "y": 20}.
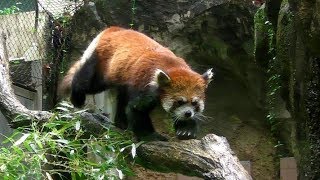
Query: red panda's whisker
{"x": 200, "y": 117}
{"x": 206, "y": 117}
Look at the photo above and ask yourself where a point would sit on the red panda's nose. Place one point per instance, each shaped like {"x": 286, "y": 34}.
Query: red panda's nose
{"x": 188, "y": 113}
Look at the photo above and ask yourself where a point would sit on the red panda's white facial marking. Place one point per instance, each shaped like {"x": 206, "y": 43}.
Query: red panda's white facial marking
{"x": 182, "y": 94}
{"x": 167, "y": 103}
{"x": 201, "y": 105}
{"x": 184, "y": 112}
{"x": 198, "y": 103}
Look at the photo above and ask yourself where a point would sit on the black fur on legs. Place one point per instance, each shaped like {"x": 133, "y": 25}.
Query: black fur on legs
{"x": 77, "y": 98}
{"x": 139, "y": 122}
{"x": 122, "y": 102}
{"x": 87, "y": 81}
{"x": 137, "y": 112}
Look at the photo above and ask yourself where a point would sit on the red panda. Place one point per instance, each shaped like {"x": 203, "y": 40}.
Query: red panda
{"x": 139, "y": 67}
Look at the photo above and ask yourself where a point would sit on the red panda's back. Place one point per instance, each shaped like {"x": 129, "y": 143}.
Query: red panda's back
{"x": 130, "y": 57}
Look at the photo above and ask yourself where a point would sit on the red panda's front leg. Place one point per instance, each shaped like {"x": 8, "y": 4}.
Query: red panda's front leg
{"x": 139, "y": 121}
{"x": 120, "y": 118}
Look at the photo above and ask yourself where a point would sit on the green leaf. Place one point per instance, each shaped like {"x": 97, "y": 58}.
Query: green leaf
{"x": 22, "y": 139}
{"x": 63, "y": 141}
{"x": 133, "y": 150}
{"x": 77, "y": 126}
{"x": 63, "y": 109}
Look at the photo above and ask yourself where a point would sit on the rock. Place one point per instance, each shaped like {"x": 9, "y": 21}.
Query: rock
{"x": 209, "y": 158}
{"x": 261, "y": 38}
{"x": 297, "y": 63}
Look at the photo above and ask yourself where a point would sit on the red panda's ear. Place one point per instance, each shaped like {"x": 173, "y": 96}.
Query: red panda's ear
{"x": 208, "y": 75}
{"x": 161, "y": 78}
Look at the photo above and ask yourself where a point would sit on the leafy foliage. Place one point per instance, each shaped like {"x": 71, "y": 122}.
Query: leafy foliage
{"x": 11, "y": 10}
{"x": 59, "y": 146}
{"x": 274, "y": 79}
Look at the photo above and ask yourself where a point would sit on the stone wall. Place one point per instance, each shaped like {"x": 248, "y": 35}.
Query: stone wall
{"x": 292, "y": 44}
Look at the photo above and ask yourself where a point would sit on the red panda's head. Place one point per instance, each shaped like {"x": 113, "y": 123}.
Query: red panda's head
{"x": 182, "y": 94}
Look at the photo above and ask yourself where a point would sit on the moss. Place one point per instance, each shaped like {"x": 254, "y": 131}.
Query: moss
{"x": 259, "y": 19}
{"x": 314, "y": 37}
{"x": 266, "y": 53}
{"x": 220, "y": 47}
{"x": 286, "y": 38}
{"x": 261, "y": 37}
{"x": 248, "y": 46}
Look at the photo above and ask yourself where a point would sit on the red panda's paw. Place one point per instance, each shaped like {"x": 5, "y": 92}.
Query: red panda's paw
{"x": 77, "y": 99}
{"x": 186, "y": 129}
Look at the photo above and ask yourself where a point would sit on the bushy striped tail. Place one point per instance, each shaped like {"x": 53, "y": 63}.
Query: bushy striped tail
{"x": 64, "y": 88}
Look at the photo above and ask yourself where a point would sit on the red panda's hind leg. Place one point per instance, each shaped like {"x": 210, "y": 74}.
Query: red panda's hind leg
{"x": 87, "y": 81}
{"x": 122, "y": 102}
{"x": 77, "y": 98}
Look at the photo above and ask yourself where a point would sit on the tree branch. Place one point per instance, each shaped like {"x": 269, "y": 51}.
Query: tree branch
{"x": 210, "y": 157}
{"x": 9, "y": 105}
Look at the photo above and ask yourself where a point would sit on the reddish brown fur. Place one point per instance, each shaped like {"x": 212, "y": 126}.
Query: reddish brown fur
{"x": 185, "y": 83}
{"x": 129, "y": 57}
{"x": 119, "y": 56}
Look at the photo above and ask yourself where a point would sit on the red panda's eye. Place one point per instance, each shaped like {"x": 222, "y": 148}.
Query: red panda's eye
{"x": 181, "y": 102}
{"x": 197, "y": 108}
{"x": 194, "y": 103}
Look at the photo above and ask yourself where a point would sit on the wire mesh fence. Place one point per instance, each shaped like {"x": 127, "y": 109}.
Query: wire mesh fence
{"x": 38, "y": 38}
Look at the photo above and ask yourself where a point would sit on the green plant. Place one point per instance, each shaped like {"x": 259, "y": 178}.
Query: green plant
{"x": 63, "y": 23}
{"x": 11, "y": 10}
{"x": 274, "y": 79}
{"x": 59, "y": 146}
{"x": 133, "y": 12}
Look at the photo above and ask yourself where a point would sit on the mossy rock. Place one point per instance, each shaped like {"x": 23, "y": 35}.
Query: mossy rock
{"x": 261, "y": 40}
{"x": 285, "y": 45}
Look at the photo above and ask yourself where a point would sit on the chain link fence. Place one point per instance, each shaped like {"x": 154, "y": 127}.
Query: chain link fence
{"x": 38, "y": 39}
